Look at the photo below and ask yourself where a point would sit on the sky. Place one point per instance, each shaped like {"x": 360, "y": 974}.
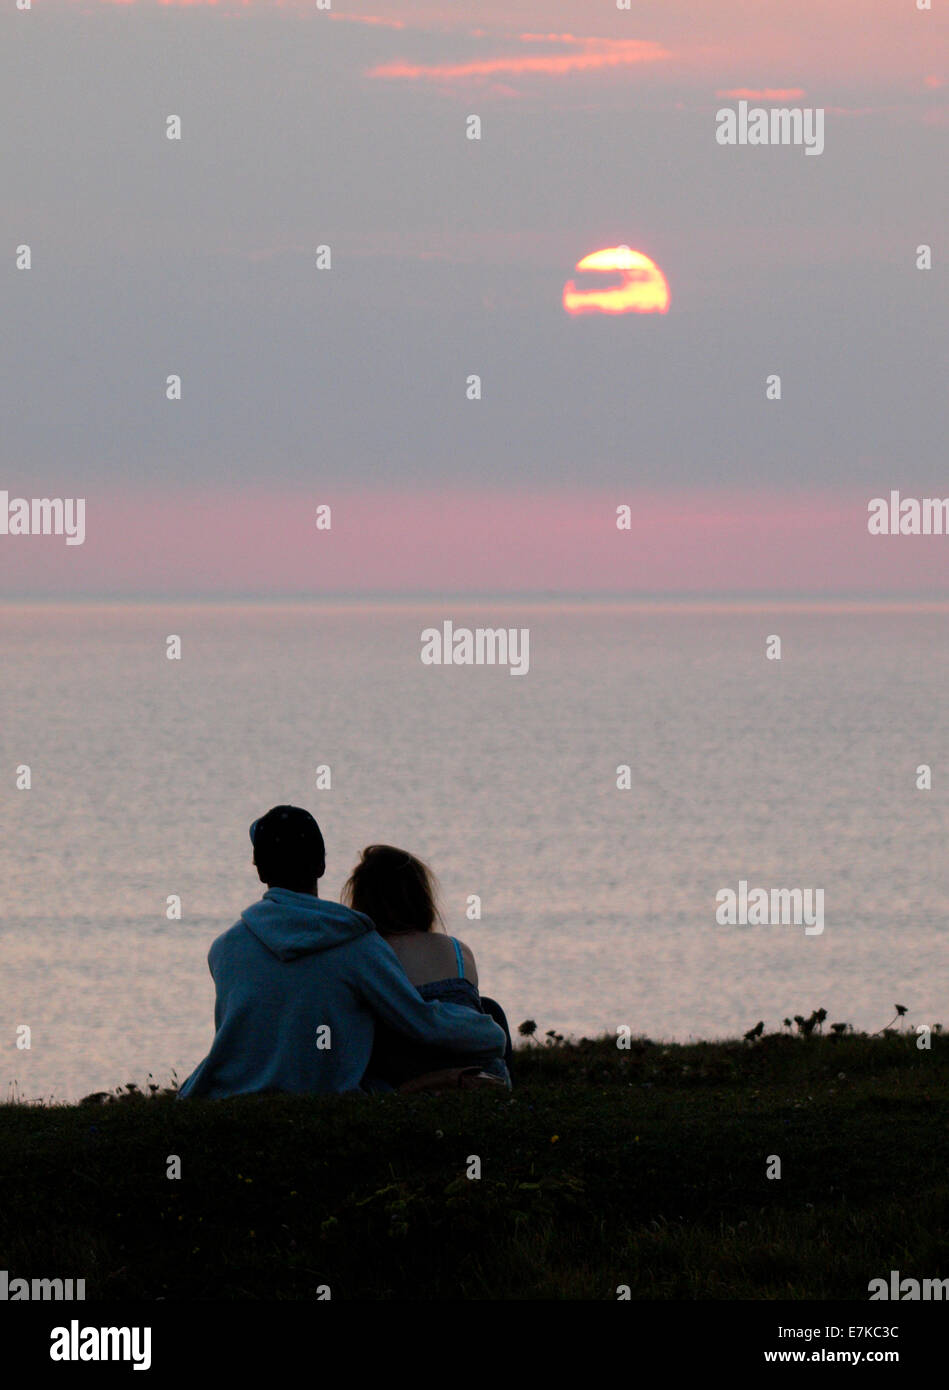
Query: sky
{"x": 347, "y": 387}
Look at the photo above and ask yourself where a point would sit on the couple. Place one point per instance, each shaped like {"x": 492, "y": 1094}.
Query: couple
{"x": 312, "y": 996}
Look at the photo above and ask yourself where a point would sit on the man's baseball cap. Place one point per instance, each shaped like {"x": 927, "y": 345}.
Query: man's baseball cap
{"x": 286, "y": 833}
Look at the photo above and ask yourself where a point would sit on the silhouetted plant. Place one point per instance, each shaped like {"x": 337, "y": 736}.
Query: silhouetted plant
{"x": 901, "y": 1009}
{"x": 806, "y": 1026}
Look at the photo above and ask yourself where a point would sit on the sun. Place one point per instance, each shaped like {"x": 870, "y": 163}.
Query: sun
{"x": 638, "y": 285}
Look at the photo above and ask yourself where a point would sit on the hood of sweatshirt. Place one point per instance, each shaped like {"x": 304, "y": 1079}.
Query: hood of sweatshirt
{"x": 297, "y": 924}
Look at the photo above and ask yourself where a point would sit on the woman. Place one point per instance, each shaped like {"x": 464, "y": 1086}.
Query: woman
{"x": 397, "y": 892}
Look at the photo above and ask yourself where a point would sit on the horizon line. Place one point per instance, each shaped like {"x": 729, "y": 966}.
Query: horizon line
{"x": 683, "y": 601}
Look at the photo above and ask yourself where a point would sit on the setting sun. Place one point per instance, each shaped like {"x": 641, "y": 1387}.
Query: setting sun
{"x": 635, "y": 285}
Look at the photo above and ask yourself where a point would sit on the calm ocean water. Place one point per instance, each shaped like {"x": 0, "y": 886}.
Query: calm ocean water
{"x": 598, "y": 904}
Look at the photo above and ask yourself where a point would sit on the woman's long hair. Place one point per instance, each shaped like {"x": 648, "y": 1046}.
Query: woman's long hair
{"x": 395, "y": 889}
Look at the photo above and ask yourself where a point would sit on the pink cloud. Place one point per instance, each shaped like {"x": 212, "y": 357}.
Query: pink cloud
{"x": 368, "y": 19}
{"x": 238, "y": 541}
{"x": 763, "y": 93}
{"x": 591, "y": 54}
{"x": 182, "y": 4}
{"x": 707, "y": 45}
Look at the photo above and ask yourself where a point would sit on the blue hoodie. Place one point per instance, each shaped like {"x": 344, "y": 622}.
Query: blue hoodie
{"x": 295, "y": 963}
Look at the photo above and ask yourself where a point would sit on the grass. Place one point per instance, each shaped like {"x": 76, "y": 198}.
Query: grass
{"x": 604, "y": 1167}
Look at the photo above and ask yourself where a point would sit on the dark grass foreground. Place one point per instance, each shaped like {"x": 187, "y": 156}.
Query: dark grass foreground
{"x": 605, "y": 1167}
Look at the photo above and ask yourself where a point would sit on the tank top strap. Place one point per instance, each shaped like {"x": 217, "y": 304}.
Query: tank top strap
{"x": 459, "y": 958}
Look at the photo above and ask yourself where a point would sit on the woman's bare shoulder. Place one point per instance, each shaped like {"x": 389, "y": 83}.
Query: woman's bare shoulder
{"x": 471, "y": 965}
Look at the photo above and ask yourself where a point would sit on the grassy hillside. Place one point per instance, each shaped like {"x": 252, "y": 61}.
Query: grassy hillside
{"x": 604, "y": 1167}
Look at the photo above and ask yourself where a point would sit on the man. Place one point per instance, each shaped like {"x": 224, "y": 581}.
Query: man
{"x": 300, "y": 980}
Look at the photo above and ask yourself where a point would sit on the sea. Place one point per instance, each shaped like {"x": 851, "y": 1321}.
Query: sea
{"x": 584, "y": 817}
